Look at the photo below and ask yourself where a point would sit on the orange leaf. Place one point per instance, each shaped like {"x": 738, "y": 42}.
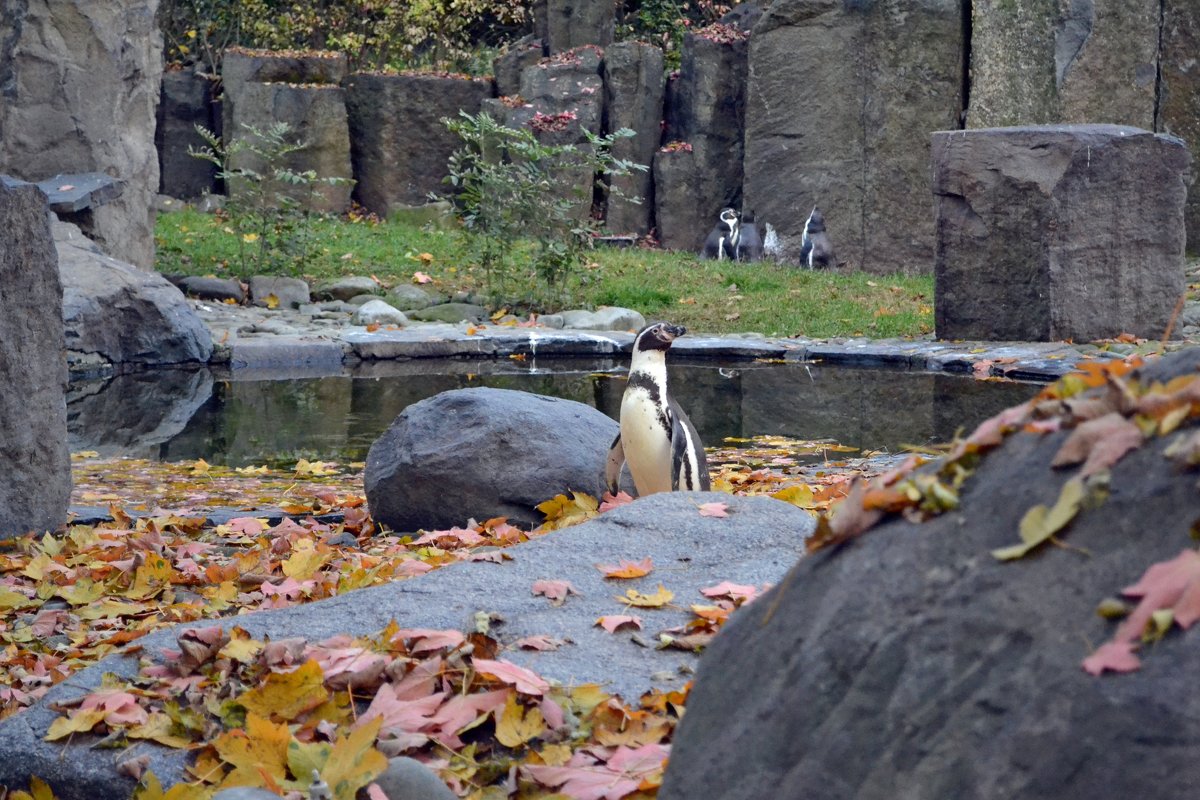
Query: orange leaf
{"x": 627, "y": 569}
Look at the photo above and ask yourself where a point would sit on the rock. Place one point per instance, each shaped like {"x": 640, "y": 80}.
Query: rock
{"x": 378, "y": 312}
{"x": 240, "y": 66}
{"x": 117, "y": 314}
{"x": 207, "y": 287}
{"x": 753, "y": 545}
{"x": 361, "y": 299}
{"x": 497, "y": 452}
{"x": 570, "y": 24}
{"x": 911, "y": 663}
{"x": 210, "y": 203}
{"x": 188, "y": 100}
{"x": 246, "y": 793}
{"x": 1034, "y": 223}
{"x": 450, "y": 312}
{"x": 288, "y": 292}
{"x": 345, "y": 288}
{"x": 508, "y": 66}
{"x": 1179, "y": 92}
{"x": 554, "y": 321}
{"x": 134, "y": 415}
{"x": 876, "y": 78}
{"x": 399, "y": 144}
{"x": 407, "y": 297}
{"x": 34, "y": 457}
{"x": 1191, "y": 313}
{"x": 409, "y": 779}
{"x": 709, "y": 113}
{"x": 605, "y": 318}
{"x": 74, "y": 72}
{"x": 633, "y": 94}
{"x": 1043, "y": 62}
{"x": 316, "y": 116}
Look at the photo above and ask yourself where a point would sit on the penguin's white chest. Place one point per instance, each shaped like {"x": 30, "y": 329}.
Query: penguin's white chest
{"x": 646, "y": 437}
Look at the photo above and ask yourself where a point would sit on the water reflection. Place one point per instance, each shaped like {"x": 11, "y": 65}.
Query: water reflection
{"x": 241, "y": 418}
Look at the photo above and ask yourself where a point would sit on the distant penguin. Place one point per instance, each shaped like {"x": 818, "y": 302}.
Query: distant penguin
{"x": 750, "y": 247}
{"x": 657, "y": 439}
{"x": 815, "y": 248}
{"x": 723, "y": 239}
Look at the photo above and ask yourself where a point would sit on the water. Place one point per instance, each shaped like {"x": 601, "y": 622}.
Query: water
{"x": 244, "y": 418}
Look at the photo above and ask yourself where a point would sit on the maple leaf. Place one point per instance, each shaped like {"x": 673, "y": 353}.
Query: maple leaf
{"x": 426, "y": 640}
{"x": 734, "y": 591}
{"x": 554, "y": 591}
{"x": 421, "y": 277}
{"x": 538, "y": 643}
{"x": 518, "y": 724}
{"x": 462, "y": 712}
{"x": 562, "y": 511}
{"x": 656, "y": 600}
{"x": 586, "y": 777}
{"x": 613, "y": 622}
{"x": 525, "y": 681}
{"x": 1114, "y": 656}
{"x": 286, "y": 695}
{"x": 610, "y": 501}
{"x": 1173, "y": 585}
{"x": 348, "y": 666}
{"x": 714, "y": 509}
{"x": 1099, "y": 443}
{"x": 627, "y": 569}
{"x": 399, "y": 717}
{"x": 353, "y": 761}
{"x": 614, "y": 725}
{"x": 257, "y": 753}
{"x": 150, "y": 788}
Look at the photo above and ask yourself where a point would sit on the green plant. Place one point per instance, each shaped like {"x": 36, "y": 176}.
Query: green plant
{"x": 269, "y": 205}
{"x": 513, "y": 188}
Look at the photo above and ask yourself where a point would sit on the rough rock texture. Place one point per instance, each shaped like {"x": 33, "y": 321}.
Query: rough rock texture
{"x": 1045, "y": 61}
{"x": 497, "y": 452}
{"x": 754, "y": 545}
{"x": 211, "y": 288}
{"x": 116, "y": 314}
{"x": 1179, "y": 92}
{"x": 573, "y": 23}
{"x": 709, "y": 113}
{"x": 1058, "y": 232}
{"x": 187, "y": 101}
{"x": 399, "y": 145}
{"x": 633, "y": 98}
{"x": 378, "y": 312}
{"x": 847, "y": 126}
{"x": 34, "y": 459}
{"x": 316, "y": 114}
{"x": 288, "y": 292}
{"x": 508, "y": 66}
{"x": 240, "y": 66}
{"x": 912, "y": 664}
{"x": 569, "y": 82}
{"x": 71, "y": 74}
{"x": 345, "y": 288}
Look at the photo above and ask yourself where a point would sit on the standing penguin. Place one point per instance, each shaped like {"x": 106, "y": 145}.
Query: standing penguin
{"x": 657, "y": 439}
{"x": 723, "y": 240}
{"x": 815, "y": 248}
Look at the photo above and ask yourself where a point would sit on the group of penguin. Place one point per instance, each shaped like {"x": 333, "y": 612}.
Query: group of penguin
{"x": 736, "y": 239}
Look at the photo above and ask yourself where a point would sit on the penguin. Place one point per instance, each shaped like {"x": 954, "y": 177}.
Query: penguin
{"x": 750, "y": 245}
{"x": 723, "y": 239}
{"x": 657, "y": 439}
{"x": 815, "y": 248}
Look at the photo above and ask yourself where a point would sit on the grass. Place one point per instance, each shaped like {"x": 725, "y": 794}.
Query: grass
{"x": 706, "y": 296}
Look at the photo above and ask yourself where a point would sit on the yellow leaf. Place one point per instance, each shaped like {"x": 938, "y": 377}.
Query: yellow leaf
{"x": 798, "y": 495}
{"x": 250, "y": 238}
{"x": 518, "y": 724}
{"x": 159, "y": 728}
{"x": 256, "y": 753}
{"x": 657, "y": 600}
{"x": 562, "y": 512}
{"x": 317, "y": 468}
{"x": 272, "y": 301}
{"x": 201, "y": 467}
{"x": 263, "y": 470}
{"x": 354, "y": 762}
{"x": 79, "y": 721}
{"x": 1040, "y": 524}
{"x": 286, "y": 695}
{"x": 587, "y": 696}
{"x": 110, "y": 609}
{"x": 241, "y": 647}
{"x": 152, "y": 577}
{"x": 304, "y": 561}
{"x": 37, "y": 566}
{"x": 10, "y": 600}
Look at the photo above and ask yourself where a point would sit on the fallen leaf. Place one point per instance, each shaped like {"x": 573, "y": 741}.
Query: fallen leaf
{"x": 1099, "y": 443}
{"x": 286, "y": 695}
{"x": 614, "y": 622}
{"x": 525, "y": 681}
{"x": 610, "y": 501}
{"x": 658, "y": 599}
{"x": 518, "y": 724}
{"x": 554, "y": 591}
{"x": 1113, "y": 656}
{"x": 1173, "y": 585}
{"x": 1040, "y": 524}
{"x": 627, "y": 569}
{"x": 421, "y": 277}
{"x": 714, "y": 509}
{"x": 538, "y": 643}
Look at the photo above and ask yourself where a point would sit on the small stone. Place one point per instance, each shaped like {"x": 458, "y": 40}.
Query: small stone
{"x": 360, "y": 299}
{"x": 451, "y": 312}
{"x": 345, "y": 288}
{"x": 551, "y": 321}
{"x": 210, "y": 288}
{"x": 377, "y": 312}
{"x": 409, "y": 779}
{"x": 407, "y": 297}
{"x": 288, "y": 292}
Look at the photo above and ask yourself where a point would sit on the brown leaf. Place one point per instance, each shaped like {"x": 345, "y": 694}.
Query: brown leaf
{"x": 1099, "y": 443}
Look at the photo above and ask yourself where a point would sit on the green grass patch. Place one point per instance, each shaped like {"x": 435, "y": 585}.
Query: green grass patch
{"x": 706, "y": 296}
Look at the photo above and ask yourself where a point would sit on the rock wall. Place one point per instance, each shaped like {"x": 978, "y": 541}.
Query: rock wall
{"x": 842, "y": 99}
{"x": 1179, "y": 93}
{"x": 79, "y": 84}
{"x": 633, "y": 98}
{"x": 34, "y": 459}
{"x": 187, "y": 101}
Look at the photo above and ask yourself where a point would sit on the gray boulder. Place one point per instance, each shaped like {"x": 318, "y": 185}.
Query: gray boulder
{"x": 407, "y": 297}
{"x": 34, "y": 458}
{"x": 677, "y": 184}
{"x": 399, "y": 144}
{"x": 241, "y": 66}
{"x": 116, "y": 314}
{"x": 187, "y": 101}
{"x": 409, "y": 779}
{"x": 77, "y": 73}
{"x": 484, "y": 453}
{"x": 1058, "y": 232}
{"x": 508, "y": 66}
{"x": 378, "y": 312}
{"x": 754, "y": 545}
{"x": 570, "y": 24}
{"x": 207, "y": 287}
{"x": 288, "y": 292}
{"x": 450, "y": 312}
{"x": 911, "y": 663}
{"x": 633, "y": 92}
{"x": 344, "y": 288}
{"x": 605, "y": 318}
{"x": 846, "y": 125}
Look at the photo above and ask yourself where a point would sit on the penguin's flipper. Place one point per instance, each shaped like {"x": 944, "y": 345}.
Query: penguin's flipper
{"x": 612, "y": 470}
{"x": 689, "y": 466}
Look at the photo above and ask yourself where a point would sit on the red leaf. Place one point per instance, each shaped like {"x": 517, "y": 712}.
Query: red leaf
{"x": 1114, "y": 656}
{"x": 714, "y": 509}
{"x": 538, "y": 643}
{"x": 526, "y": 681}
{"x": 555, "y": 591}
{"x": 613, "y": 622}
{"x": 610, "y": 501}
{"x": 1099, "y": 442}
{"x": 1173, "y": 584}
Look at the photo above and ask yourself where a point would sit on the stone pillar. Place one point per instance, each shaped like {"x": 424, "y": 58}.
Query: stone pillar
{"x": 574, "y": 23}
{"x": 1179, "y": 92}
{"x": 1058, "y": 232}
{"x": 633, "y": 98}
{"x": 187, "y": 101}
{"x": 79, "y": 84}
{"x": 34, "y": 459}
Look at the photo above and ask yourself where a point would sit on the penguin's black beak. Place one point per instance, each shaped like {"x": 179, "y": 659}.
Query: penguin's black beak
{"x": 675, "y": 330}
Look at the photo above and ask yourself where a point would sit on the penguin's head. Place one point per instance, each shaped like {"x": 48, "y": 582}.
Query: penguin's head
{"x": 657, "y": 336}
{"x": 728, "y": 218}
{"x": 815, "y": 223}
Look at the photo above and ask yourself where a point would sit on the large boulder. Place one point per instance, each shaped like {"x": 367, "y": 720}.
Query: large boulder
{"x": 752, "y": 546}
{"x": 570, "y": 23}
{"x": 633, "y": 95}
{"x": 841, "y": 100}
{"x": 241, "y": 66}
{"x": 1058, "y": 232}
{"x": 80, "y": 81}
{"x": 912, "y": 663}
{"x": 399, "y": 144}
{"x": 1044, "y": 61}
{"x": 708, "y": 114}
{"x": 187, "y": 101}
{"x": 484, "y": 453}
{"x": 33, "y": 412}
{"x": 1179, "y": 91}
{"x": 116, "y": 314}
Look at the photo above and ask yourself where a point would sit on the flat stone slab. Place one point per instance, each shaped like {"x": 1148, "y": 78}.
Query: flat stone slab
{"x": 756, "y": 543}
{"x": 69, "y": 193}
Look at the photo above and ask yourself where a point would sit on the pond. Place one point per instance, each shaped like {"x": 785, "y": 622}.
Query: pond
{"x": 251, "y": 417}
